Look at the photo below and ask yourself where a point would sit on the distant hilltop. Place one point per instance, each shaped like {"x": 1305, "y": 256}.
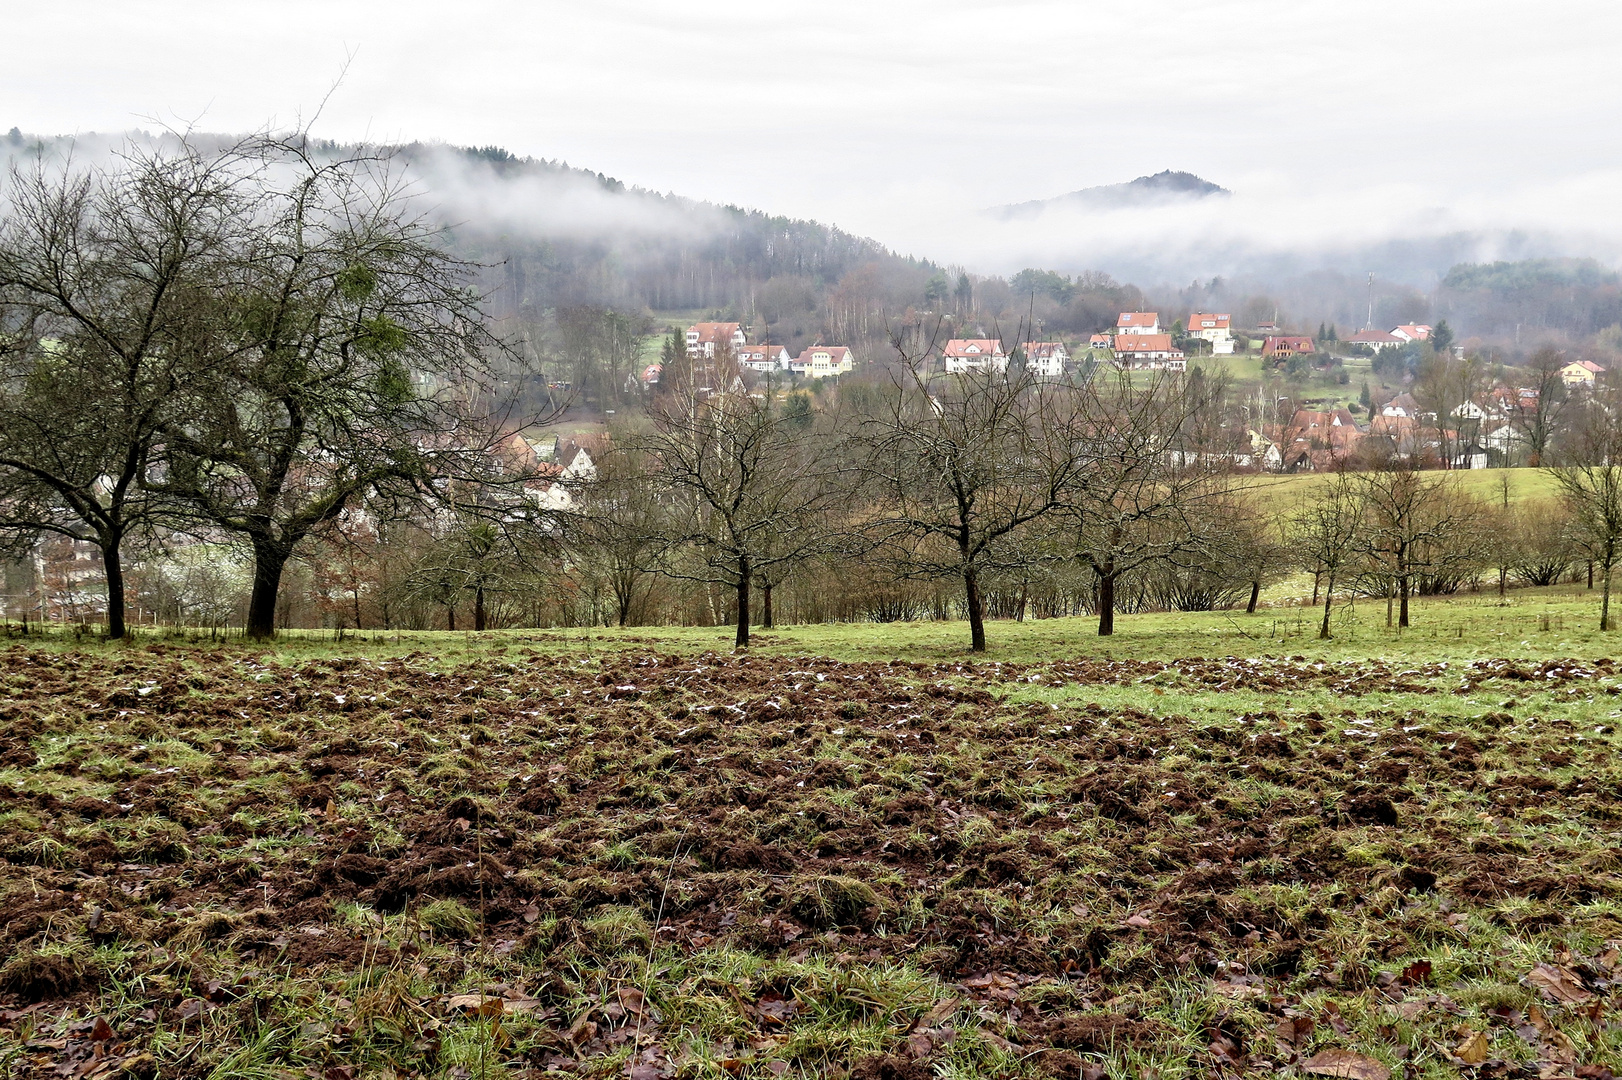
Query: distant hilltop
{"x": 1162, "y": 187}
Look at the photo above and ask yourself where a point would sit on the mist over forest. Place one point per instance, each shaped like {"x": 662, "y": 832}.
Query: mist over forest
{"x": 551, "y": 236}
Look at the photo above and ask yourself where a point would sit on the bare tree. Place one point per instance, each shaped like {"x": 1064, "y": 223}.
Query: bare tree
{"x": 1591, "y": 484}
{"x": 616, "y": 531}
{"x": 1405, "y": 519}
{"x": 1539, "y": 416}
{"x": 743, "y": 491}
{"x": 346, "y": 358}
{"x": 1324, "y": 533}
{"x": 1135, "y": 492}
{"x": 963, "y": 466}
{"x": 103, "y": 273}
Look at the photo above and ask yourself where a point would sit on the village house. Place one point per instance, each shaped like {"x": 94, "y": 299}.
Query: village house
{"x": 820, "y": 361}
{"x": 1317, "y": 439}
{"x": 1412, "y": 332}
{"x": 1137, "y": 322}
{"x": 1470, "y": 456}
{"x": 1283, "y": 346}
{"x": 1402, "y": 405}
{"x": 1375, "y": 339}
{"x": 1148, "y": 352}
{"x": 704, "y": 337}
{"x": 974, "y": 354}
{"x": 1214, "y": 328}
{"x": 1101, "y": 341}
{"x": 1580, "y": 373}
{"x": 763, "y": 357}
{"x": 1046, "y": 359}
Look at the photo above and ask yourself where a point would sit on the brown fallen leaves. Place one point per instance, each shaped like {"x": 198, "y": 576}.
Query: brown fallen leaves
{"x": 1559, "y": 984}
{"x": 1346, "y": 1064}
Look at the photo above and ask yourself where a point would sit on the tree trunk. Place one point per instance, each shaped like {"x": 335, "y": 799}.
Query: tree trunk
{"x": 766, "y": 606}
{"x": 478, "y": 608}
{"x": 1389, "y": 595}
{"x": 1316, "y": 577}
{"x": 1106, "y": 604}
{"x": 744, "y": 581}
{"x": 1255, "y": 595}
{"x": 1605, "y": 597}
{"x": 113, "y": 565}
{"x": 268, "y": 562}
{"x": 976, "y": 606}
{"x": 1329, "y": 598}
{"x": 450, "y": 616}
{"x": 1503, "y": 574}
{"x": 1590, "y": 573}
{"x": 1402, "y": 592}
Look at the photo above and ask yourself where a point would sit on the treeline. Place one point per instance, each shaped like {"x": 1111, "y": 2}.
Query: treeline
{"x": 232, "y": 347}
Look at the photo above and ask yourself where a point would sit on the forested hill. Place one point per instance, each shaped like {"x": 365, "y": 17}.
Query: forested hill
{"x": 563, "y": 235}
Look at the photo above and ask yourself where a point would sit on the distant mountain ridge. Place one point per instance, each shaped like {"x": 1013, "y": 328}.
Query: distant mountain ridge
{"x": 1163, "y": 187}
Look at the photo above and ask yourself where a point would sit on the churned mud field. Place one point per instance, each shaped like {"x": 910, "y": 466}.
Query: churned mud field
{"x": 246, "y": 864}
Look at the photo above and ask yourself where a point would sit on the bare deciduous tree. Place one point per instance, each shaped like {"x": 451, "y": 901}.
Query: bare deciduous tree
{"x": 962, "y": 467}
{"x": 103, "y": 276}
{"x": 1324, "y": 533}
{"x": 744, "y": 491}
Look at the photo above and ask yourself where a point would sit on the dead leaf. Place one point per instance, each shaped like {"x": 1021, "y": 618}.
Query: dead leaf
{"x": 102, "y": 1031}
{"x": 1139, "y": 921}
{"x": 1473, "y": 1050}
{"x": 1295, "y": 1031}
{"x": 1344, "y": 1063}
{"x": 633, "y": 999}
{"x": 1417, "y": 973}
{"x": 1558, "y": 984}
{"x": 1558, "y": 1048}
{"x": 477, "y": 1004}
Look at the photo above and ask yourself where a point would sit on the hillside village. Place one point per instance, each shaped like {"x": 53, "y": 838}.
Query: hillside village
{"x": 1489, "y": 428}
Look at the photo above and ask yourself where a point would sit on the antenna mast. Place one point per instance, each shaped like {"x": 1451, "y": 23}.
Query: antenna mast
{"x": 1370, "y": 324}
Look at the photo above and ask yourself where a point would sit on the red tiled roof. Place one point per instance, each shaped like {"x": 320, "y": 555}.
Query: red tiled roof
{"x": 1144, "y": 343}
{"x": 1206, "y": 320}
{"x": 972, "y": 347}
{"x": 1138, "y": 318}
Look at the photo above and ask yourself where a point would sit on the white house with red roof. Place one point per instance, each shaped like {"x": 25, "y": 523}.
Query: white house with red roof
{"x": 1412, "y": 332}
{"x": 1215, "y": 328}
{"x": 1046, "y": 359}
{"x": 1375, "y": 339}
{"x": 704, "y": 337}
{"x": 762, "y": 357}
{"x": 1137, "y": 322}
{"x": 1148, "y": 352}
{"x": 1101, "y": 341}
{"x": 974, "y": 354}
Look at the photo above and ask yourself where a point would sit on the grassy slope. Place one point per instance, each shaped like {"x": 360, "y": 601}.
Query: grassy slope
{"x": 290, "y": 859}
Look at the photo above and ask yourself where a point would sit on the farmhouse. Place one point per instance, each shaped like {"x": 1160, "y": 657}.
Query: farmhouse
{"x": 1148, "y": 352}
{"x": 1046, "y": 359}
{"x": 1412, "y": 332}
{"x": 974, "y": 354}
{"x": 1280, "y": 346}
{"x": 1214, "y": 328}
{"x": 763, "y": 357}
{"x": 705, "y": 336}
{"x": 1375, "y": 339}
{"x": 1402, "y": 405}
{"x": 1138, "y": 322}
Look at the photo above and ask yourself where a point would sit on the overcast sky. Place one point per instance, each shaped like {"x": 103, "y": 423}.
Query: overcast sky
{"x": 884, "y": 116}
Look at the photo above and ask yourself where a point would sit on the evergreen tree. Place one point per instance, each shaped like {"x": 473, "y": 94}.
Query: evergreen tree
{"x": 1366, "y": 399}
